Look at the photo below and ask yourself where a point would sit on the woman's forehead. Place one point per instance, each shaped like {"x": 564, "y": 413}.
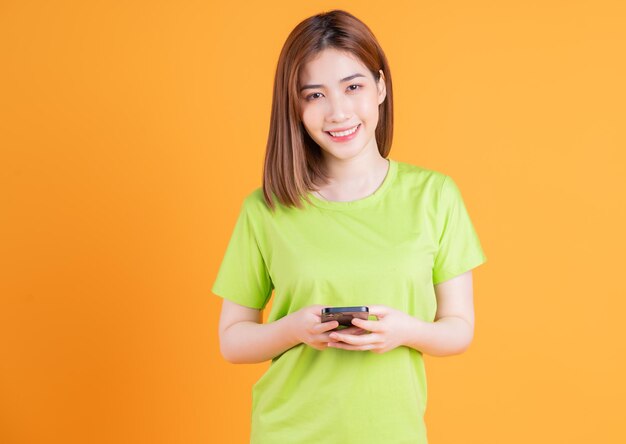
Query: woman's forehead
{"x": 331, "y": 64}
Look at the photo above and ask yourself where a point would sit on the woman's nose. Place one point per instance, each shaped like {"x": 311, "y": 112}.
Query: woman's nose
{"x": 338, "y": 108}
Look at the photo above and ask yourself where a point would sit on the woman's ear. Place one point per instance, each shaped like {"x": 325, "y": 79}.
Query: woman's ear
{"x": 382, "y": 88}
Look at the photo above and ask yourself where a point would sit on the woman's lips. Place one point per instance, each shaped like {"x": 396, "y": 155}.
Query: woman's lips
{"x": 345, "y": 138}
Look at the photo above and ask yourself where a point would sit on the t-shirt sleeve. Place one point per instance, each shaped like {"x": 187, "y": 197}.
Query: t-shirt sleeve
{"x": 243, "y": 276}
{"x": 459, "y": 247}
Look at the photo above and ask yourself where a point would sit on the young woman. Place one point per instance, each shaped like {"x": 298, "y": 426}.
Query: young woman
{"x": 338, "y": 223}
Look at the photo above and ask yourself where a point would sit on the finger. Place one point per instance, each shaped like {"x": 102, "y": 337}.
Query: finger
{"x": 351, "y": 330}
{"x": 373, "y": 326}
{"x": 344, "y": 346}
{"x": 325, "y": 326}
{"x": 357, "y": 339}
{"x": 346, "y": 331}
{"x": 378, "y": 310}
{"x": 316, "y": 310}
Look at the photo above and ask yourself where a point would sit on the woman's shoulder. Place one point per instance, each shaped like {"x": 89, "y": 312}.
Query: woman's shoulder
{"x": 440, "y": 187}
{"x": 254, "y": 203}
{"x": 255, "y": 200}
{"x": 416, "y": 175}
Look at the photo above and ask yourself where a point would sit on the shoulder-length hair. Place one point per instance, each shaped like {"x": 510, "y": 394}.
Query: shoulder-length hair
{"x": 293, "y": 161}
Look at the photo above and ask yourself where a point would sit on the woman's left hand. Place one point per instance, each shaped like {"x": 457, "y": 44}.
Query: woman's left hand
{"x": 387, "y": 333}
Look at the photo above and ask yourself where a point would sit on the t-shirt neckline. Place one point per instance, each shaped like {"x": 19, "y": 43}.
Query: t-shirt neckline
{"x": 364, "y": 201}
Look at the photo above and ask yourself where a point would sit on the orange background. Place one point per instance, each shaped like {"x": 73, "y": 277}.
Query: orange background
{"x": 131, "y": 132}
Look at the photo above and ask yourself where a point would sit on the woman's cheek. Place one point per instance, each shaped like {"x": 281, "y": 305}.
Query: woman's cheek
{"x": 308, "y": 117}
{"x": 368, "y": 106}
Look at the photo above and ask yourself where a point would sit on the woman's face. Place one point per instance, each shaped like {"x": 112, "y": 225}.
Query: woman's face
{"x": 338, "y": 93}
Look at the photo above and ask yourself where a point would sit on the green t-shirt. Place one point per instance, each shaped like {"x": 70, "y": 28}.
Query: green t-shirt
{"x": 388, "y": 248}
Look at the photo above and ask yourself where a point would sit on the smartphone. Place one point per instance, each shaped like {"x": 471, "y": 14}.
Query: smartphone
{"x": 344, "y": 315}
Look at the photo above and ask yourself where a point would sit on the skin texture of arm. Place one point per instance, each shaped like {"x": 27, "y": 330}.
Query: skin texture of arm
{"x": 453, "y": 329}
{"x": 244, "y": 339}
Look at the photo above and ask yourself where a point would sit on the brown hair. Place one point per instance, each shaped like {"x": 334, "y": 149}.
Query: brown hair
{"x": 293, "y": 161}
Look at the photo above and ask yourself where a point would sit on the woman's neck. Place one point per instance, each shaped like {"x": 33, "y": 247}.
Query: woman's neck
{"x": 354, "y": 178}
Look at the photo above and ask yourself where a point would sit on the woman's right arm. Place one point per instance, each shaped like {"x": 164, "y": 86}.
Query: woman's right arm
{"x": 244, "y": 339}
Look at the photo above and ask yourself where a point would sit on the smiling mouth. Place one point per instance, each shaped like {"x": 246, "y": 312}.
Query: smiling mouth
{"x": 344, "y": 133}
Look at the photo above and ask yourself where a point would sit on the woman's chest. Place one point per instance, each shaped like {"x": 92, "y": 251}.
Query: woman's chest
{"x": 354, "y": 251}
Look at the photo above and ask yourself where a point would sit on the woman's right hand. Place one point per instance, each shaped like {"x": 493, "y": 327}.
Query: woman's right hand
{"x": 307, "y": 327}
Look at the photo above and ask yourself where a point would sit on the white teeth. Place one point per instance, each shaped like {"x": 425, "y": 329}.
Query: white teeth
{"x": 344, "y": 133}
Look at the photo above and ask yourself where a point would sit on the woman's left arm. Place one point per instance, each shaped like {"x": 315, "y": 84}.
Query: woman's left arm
{"x": 453, "y": 329}
{"x": 451, "y": 333}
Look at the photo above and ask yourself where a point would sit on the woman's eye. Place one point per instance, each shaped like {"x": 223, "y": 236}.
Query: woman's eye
{"x": 350, "y": 88}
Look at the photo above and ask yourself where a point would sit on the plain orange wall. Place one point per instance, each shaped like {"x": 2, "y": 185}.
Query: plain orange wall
{"x": 131, "y": 131}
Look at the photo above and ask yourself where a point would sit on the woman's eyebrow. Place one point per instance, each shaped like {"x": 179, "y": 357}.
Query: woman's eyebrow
{"x": 341, "y": 81}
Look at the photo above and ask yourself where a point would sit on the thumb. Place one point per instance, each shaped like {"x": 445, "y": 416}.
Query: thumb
{"x": 316, "y": 309}
{"x": 380, "y": 311}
